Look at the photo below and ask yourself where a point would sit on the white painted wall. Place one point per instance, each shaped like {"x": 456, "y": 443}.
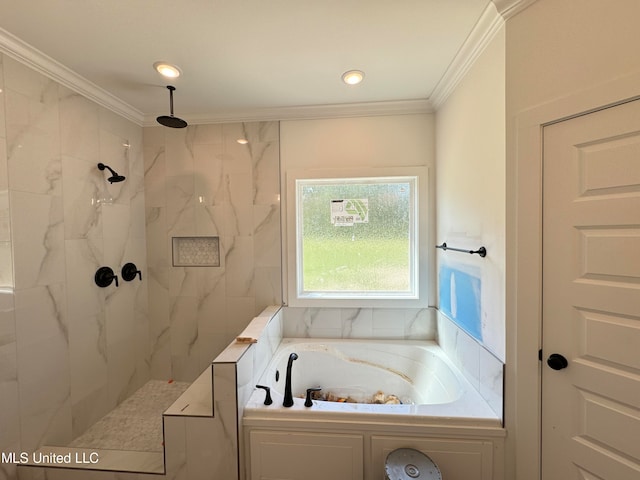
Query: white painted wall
{"x": 562, "y": 58}
{"x": 558, "y": 48}
{"x": 381, "y": 141}
{"x": 470, "y": 182}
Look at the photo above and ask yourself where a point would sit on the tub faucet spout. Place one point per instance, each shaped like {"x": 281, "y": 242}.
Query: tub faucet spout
{"x": 288, "y": 396}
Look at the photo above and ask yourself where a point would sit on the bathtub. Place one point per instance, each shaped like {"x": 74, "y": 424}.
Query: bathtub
{"x": 416, "y": 373}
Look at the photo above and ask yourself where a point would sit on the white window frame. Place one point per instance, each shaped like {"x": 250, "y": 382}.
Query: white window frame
{"x": 292, "y": 270}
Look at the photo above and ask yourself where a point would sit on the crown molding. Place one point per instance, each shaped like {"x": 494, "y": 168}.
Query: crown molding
{"x": 485, "y": 29}
{"x": 508, "y": 8}
{"x": 15, "y": 48}
{"x": 490, "y": 22}
{"x": 399, "y": 107}
{"x": 488, "y": 25}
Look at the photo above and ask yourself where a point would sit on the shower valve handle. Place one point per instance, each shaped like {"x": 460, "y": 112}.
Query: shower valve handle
{"x": 129, "y": 272}
{"x": 104, "y": 276}
{"x": 308, "y": 402}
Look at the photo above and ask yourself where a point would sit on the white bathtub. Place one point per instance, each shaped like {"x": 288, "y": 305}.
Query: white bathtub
{"x": 417, "y": 372}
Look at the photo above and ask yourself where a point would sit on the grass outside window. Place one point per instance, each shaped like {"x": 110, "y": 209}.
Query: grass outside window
{"x": 357, "y": 237}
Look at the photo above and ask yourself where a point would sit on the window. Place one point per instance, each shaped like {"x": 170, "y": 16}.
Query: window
{"x": 356, "y": 239}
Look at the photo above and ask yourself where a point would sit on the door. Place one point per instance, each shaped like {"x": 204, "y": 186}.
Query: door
{"x": 591, "y": 296}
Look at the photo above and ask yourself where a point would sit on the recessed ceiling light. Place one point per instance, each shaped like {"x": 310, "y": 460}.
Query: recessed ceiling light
{"x": 167, "y": 70}
{"x": 352, "y": 77}
{"x": 242, "y": 141}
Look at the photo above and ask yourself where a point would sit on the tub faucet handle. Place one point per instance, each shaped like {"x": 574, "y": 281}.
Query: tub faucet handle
{"x": 308, "y": 402}
{"x": 267, "y": 397}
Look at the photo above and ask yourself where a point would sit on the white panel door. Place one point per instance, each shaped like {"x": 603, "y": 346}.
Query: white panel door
{"x": 591, "y": 297}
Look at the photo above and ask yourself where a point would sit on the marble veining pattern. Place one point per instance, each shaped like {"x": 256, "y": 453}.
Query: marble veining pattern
{"x": 70, "y": 350}
{"x": 390, "y": 323}
{"x": 9, "y": 387}
{"x": 200, "y": 181}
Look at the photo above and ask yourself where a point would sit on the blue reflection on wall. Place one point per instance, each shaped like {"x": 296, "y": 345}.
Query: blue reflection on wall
{"x": 460, "y": 299}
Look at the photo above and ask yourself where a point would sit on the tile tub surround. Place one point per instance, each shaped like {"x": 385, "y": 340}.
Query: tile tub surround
{"x": 235, "y": 372}
{"x": 384, "y": 323}
{"x": 245, "y": 363}
{"x": 435, "y": 434}
{"x": 483, "y": 370}
{"x": 418, "y": 372}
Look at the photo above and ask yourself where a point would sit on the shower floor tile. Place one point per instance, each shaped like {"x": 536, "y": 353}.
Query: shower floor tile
{"x": 135, "y": 424}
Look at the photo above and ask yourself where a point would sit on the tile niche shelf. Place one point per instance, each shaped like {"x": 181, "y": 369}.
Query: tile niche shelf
{"x": 196, "y": 251}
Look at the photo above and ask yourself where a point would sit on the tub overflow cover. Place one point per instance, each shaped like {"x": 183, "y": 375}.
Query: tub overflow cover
{"x": 407, "y": 463}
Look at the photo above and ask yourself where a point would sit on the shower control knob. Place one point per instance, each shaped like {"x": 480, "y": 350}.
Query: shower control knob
{"x": 557, "y": 361}
{"x": 129, "y": 272}
{"x": 105, "y": 276}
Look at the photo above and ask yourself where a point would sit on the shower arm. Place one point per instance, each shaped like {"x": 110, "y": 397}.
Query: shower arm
{"x": 171, "y": 89}
{"x": 102, "y": 166}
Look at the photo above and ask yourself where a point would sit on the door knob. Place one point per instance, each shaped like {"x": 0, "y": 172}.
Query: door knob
{"x": 557, "y": 361}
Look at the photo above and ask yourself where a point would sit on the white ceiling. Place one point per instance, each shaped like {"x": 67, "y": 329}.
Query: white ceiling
{"x": 242, "y": 56}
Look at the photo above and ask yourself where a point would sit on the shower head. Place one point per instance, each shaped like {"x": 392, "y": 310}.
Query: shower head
{"x": 115, "y": 178}
{"x": 170, "y": 120}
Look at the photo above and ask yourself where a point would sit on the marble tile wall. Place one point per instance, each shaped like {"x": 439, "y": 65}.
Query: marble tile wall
{"x": 9, "y": 413}
{"x": 69, "y": 350}
{"x": 200, "y": 182}
{"x": 251, "y": 367}
{"x": 195, "y": 449}
{"x": 236, "y": 370}
{"x": 484, "y": 370}
{"x": 388, "y": 323}
{"x": 479, "y": 366}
